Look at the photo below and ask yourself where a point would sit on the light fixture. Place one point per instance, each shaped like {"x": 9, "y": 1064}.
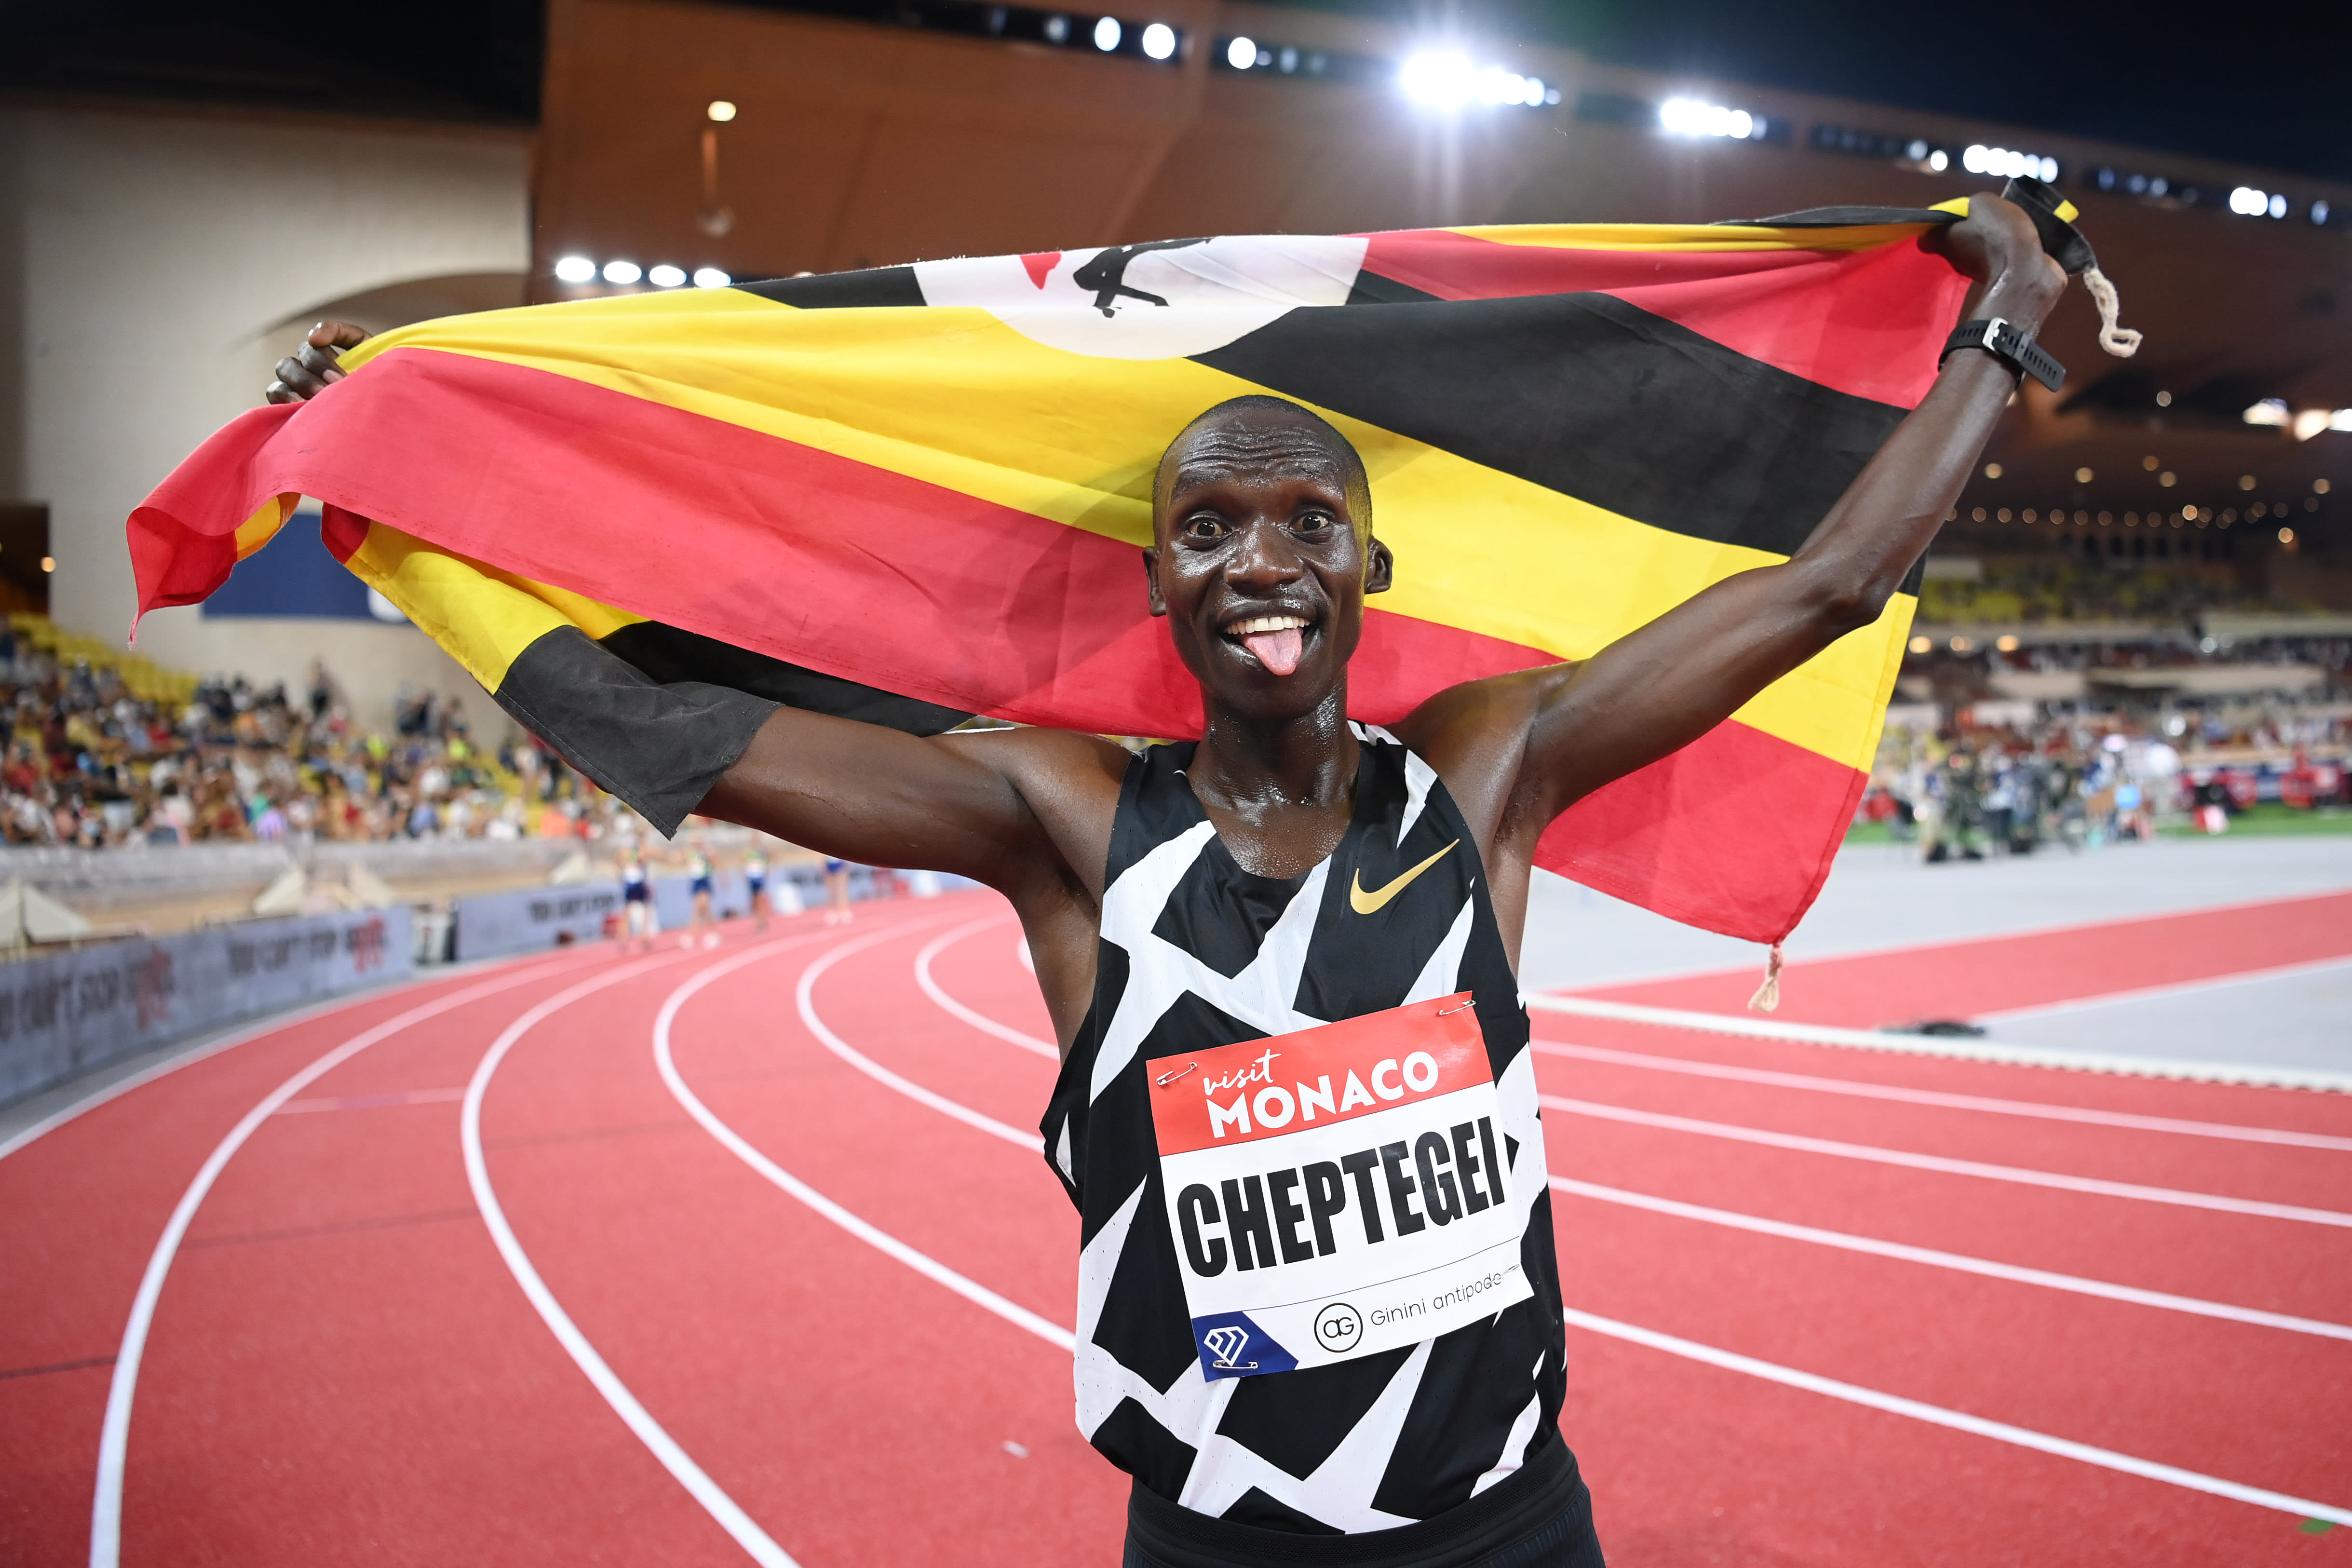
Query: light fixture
{"x": 49, "y": 562}
{"x": 1980, "y": 159}
{"x": 1107, "y": 33}
{"x": 1964, "y": 645}
{"x": 1159, "y": 41}
{"x": 1993, "y": 470}
{"x": 575, "y": 269}
{"x": 1940, "y": 160}
{"x": 1922, "y": 645}
{"x": 720, "y": 111}
{"x": 2164, "y": 400}
{"x": 1690, "y": 117}
{"x": 2269, "y": 411}
{"x": 623, "y": 272}
{"x": 666, "y": 276}
{"x": 2150, "y": 464}
{"x": 710, "y": 278}
{"x": 2278, "y": 205}
{"x": 2286, "y": 536}
{"x": 1058, "y": 29}
{"x": 2083, "y": 475}
{"x": 2006, "y": 642}
{"x": 1241, "y": 53}
{"x": 2310, "y": 422}
{"x": 2340, "y": 420}
{"x": 2246, "y": 481}
{"x": 2318, "y": 212}
{"x": 2248, "y": 202}
{"x": 1445, "y": 80}
{"x": 2319, "y": 486}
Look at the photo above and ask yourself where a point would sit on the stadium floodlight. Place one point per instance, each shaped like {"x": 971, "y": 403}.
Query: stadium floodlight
{"x": 2308, "y": 422}
{"x": 666, "y": 276}
{"x": 720, "y": 111}
{"x": 2248, "y": 202}
{"x": 2278, "y": 206}
{"x": 2318, "y": 212}
{"x": 1440, "y": 79}
{"x": 1242, "y": 54}
{"x": 575, "y": 269}
{"x": 1107, "y": 32}
{"x": 2269, "y": 411}
{"x": 710, "y": 278}
{"x": 623, "y": 272}
{"x": 1980, "y": 159}
{"x": 1159, "y": 41}
{"x": 2340, "y": 420}
{"x": 1690, "y": 117}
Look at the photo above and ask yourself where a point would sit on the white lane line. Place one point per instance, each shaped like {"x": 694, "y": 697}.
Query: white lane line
{"x": 114, "y": 1434}
{"x": 2018, "y": 1174}
{"x": 2173, "y": 988}
{"x": 872, "y": 1236}
{"x": 981, "y": 1021}
{"x": 1936, "y": 1097}
{"x": 1958, "y": 1049}
{"x": 1960, "y": 1262}
{"x": 714, "y": 1500}
{"x": 1960, "y": 1421}
{"x": 804, "y": 996}
{"x": 1894, "y": 1404}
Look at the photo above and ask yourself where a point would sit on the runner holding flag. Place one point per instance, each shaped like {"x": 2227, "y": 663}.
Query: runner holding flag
{"x": 1318, "y": 1295}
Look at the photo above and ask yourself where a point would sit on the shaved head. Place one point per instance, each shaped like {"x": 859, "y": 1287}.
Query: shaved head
{"x": 1261, "y": 432}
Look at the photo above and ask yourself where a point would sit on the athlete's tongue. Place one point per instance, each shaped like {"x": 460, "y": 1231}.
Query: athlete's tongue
{"x": 1279, "y": 651}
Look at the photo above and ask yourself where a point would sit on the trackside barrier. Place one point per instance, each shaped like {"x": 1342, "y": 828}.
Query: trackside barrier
{"x": 1960, "y": 1048}
{"x": 70, "y": 1012}
{"x": 530, "y": 920}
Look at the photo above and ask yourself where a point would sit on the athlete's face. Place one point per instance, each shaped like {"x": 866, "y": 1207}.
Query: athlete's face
{"x": 1258, "y": 561}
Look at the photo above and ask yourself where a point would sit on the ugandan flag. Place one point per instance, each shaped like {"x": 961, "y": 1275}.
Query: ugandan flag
{"x": 913, "y": 494}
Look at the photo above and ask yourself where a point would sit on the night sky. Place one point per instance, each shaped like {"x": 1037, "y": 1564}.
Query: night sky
{"x": 2268, "y": 84}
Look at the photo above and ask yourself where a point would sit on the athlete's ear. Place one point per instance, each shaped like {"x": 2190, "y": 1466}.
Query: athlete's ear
{"x": 1380, "y": 568}
{"x": 1152, "y": 579}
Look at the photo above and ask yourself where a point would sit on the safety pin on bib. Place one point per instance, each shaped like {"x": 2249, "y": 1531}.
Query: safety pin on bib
{"x": 1164, "y": 1080}
{"x": 1448, "y": 1012}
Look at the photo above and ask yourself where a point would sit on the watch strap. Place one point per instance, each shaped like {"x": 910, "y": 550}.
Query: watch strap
{"x": 2008, "y": 342}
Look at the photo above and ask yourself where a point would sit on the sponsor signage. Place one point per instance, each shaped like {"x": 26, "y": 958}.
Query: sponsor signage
{"x": 66, "y": 1013}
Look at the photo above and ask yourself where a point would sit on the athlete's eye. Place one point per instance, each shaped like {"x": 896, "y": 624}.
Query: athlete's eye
{"x": 1205, "y": 526}
{"x": 1311, "y": 521}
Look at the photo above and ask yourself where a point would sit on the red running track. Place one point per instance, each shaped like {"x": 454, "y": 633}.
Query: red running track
{"x": 795, "y": 1297}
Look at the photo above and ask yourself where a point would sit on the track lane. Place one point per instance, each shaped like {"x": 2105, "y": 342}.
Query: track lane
{"x": 870, "y": 1425}
{"x": 2073, "y": 1450}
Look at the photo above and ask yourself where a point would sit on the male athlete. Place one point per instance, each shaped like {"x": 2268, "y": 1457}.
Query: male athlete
{"x": 1318, "y": 1316}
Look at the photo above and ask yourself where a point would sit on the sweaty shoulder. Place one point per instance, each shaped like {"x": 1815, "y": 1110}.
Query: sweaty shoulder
{"x": 1069, "y": 781}
{"x": 1474, "y": 735}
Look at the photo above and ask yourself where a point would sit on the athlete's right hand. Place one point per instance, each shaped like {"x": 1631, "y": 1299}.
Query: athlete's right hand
{"x": 304, "y": 374}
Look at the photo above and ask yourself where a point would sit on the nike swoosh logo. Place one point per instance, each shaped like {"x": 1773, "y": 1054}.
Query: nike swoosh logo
{"x": 1365, "y": 903}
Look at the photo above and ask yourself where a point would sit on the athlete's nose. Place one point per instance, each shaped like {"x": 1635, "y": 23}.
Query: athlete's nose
{"x": 1268, "y": 557}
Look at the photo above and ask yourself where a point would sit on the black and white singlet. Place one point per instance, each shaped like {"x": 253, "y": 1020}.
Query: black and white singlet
{"x": 1198, "y": 953}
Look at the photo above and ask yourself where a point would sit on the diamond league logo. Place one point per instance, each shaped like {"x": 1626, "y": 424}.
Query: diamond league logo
{"x": 1226, "y": 1342}
{"x": 1338, "y": 1327}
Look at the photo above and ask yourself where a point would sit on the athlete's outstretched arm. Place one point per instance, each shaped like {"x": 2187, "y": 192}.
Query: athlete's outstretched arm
{"x": 1663, "y": 686}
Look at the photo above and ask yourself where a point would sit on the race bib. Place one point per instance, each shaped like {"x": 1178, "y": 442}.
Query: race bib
{"x": 1338, "y": 1191}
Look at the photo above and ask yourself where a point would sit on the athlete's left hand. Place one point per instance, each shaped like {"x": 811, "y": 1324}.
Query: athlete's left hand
{"x": 310, "y": 370}
{"x": 1999, "y": 246}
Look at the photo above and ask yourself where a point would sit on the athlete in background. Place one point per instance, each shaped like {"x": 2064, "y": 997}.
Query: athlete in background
{"x": 1290, "y": 857}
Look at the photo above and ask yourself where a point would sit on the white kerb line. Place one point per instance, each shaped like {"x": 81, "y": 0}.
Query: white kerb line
{"x": 981, "y": 1021}
{"x": 1960, "y": 1421}
{"x": 1960, "y": 1262}
{"x": 2174, "y": 988}
{"x": 803, "y": 995}
{"x": 872, "y": 1236}
{"x": 114, "y": 1432}
{"x": 1958, "y": 1049}
{"x": 714, "y": 1500}
{"x": 1939, "y": 1097}
{"x": 2018, "y": 1174}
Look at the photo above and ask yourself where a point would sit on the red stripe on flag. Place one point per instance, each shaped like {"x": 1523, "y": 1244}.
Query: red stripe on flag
{"x": 877, "y": 577}
{"x": 1861, "y": 321}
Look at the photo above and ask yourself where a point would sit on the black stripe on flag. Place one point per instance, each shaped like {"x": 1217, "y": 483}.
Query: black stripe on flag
{"x": 842, "y": 290}
{"x": 1588, "y": 396}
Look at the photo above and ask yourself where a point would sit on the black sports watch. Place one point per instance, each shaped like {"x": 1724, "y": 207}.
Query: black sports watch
{"x": 2007, "y": 342}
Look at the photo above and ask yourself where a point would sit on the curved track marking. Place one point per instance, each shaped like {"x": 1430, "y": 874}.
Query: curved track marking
{"x": 2018, "y": 1174}
{"x": 114, "y": 1434}
{"x": 1938, "y": 1097}
{"x": 981, "y": 1021}
{"x": 714, "y": 1501}
{"x": 1958, "y": 1420}
{"x": 872, "y": 1236}
{"x": 1935, "y": 1414}
{"x": 804, "y": 995}
{"x": 1848, "y": 1242}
